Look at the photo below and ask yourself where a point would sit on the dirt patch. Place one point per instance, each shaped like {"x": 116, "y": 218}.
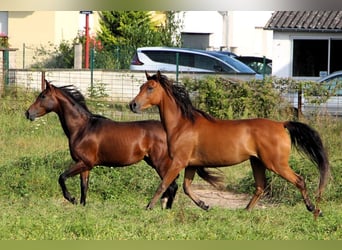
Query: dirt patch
{"x": 223, "y": 198}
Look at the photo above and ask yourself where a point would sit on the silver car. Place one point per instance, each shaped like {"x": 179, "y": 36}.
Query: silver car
{"x": 333, "y": 105}
{"x": 188, "y": 60}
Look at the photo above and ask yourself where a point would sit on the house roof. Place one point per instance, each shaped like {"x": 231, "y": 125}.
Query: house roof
{"x": 305, "y": 21}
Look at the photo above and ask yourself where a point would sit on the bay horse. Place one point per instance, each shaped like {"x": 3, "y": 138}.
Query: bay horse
{"x": 197, "y": 139}
{"x": 96, "y": 140}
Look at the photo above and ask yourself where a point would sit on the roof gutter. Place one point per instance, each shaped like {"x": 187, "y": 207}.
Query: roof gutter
{"x": 305, "y": 30}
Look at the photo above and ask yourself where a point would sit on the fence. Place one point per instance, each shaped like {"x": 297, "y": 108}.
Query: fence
{"x": 121, "y": 86}
{"x": 118, "y": 86}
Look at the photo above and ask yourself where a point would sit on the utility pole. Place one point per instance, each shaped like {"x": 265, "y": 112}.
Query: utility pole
{"x": 87, "y": 41}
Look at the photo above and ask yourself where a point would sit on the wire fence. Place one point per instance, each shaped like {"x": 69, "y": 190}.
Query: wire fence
{"x": 107, "y": 87}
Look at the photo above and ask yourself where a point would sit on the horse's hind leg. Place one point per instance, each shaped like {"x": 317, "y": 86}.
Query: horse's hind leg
{"x": 288, "y": 174}
{"x": 169, "y": 196}
{"x": 84, "y": 177}
{"x": 297, "y": 180}
{"x": 259, "y": 171}
{"x": 165, "y": 183}
{"x": 188, "y": 178}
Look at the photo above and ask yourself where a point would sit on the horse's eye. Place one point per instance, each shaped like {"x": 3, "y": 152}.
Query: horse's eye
{"x": 149, "y": 88}
{"x": 42, "y": 96}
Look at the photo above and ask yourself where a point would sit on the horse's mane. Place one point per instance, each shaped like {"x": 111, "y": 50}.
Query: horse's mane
{"x": 181, "y": 96}
{"x": 73, "y": 93}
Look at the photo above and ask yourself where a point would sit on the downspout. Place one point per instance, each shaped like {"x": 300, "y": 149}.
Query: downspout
{"x": 224, "y": 15}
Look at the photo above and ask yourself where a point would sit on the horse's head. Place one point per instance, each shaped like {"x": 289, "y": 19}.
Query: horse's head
{"x": 45, "y": 103}
{"x": 150, "y": 93}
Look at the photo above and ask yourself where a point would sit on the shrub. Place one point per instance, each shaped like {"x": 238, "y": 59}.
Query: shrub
{"x": 232, "y": 99}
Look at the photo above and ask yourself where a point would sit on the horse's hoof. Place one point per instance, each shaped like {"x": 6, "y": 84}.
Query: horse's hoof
{"x": 149, "y": 206}
{"x": 311, "y": 208}
{"x": 163, "y": 203}
{"x": 202, "y": 205}
{"x": 73, "y": 201}
{"x": 317, "y": 213}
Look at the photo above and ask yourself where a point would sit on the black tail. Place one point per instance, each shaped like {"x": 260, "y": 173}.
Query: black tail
{"x": 215, "y": 179}
{"x": 308, "y": 140}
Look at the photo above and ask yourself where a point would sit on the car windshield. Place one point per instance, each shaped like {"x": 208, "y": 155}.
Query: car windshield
{"x": 334, "y": 85}
{"x": 233, "y": 62}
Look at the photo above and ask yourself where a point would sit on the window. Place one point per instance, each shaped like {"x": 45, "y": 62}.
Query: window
{"x": 311, "y": 56}
{"x": 195, "y": 40}
{"x": 162, "y": 56}
{"x": 335, "y": 55}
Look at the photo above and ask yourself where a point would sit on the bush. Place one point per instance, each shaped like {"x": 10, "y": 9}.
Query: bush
{"x": 232, "y": 99}
{"x": 61, "y": 56}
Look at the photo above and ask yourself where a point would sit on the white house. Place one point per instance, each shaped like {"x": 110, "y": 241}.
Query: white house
{"x": 27, "y": 30}
{"x": 306, "y": 44}
{"x": 241, "y": 32}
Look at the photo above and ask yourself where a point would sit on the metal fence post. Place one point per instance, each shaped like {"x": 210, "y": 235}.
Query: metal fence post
{"x": 177, "y": 66}
{"x": 43, "y": 80}
{"x": 300, "y": 92}
{"x": 92, "y": 69}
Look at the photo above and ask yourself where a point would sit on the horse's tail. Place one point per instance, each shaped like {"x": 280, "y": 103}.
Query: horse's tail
{"x": 307, "y": 140}
{"x": 215, "y": 179}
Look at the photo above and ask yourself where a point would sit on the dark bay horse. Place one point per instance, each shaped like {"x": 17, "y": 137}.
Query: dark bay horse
{"x": 197, "y": 139}
{"x": 96, "y": 140}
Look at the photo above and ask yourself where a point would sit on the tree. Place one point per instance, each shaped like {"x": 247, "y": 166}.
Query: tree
{"x": 122, "y": 32}
{"x": 127, "y": 28}
{"x": 54, "y": 56}
{"x": 169, "y": 31}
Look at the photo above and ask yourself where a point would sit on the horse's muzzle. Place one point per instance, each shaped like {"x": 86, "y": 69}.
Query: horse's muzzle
{"x": 29, "y": 116}
{"x": 134, "y": 107}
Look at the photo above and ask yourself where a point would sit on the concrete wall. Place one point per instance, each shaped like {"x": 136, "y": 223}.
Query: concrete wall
{"x": 117, "y": 85}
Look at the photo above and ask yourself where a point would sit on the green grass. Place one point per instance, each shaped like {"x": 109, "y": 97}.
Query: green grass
{"x": 53, "y": 218}
{"x": 33, "y": 154}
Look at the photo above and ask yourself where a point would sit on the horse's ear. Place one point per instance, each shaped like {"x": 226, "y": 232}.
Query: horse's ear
{"x": 147, "y": 75}
{"x": 47, "y": 84}
{"x": 158, "y": 75}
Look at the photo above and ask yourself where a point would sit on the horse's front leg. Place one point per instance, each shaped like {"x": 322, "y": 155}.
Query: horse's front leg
{"x": 75, "y": 169}
{"x": 169, "y": 195}
{"x": 84, "y": 177}
{"x": 170, "y": 176}
{"x": 188, "y": 178}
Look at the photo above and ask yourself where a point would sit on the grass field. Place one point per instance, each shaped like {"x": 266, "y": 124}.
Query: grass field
{"x": 33, "y": 154}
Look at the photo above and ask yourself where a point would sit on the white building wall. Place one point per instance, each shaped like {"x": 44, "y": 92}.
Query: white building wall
{"x": 245, "y": 33}
{"x": 204, "y": 22}
{"x": 283, "y": 50}
{"x": 66, "y": 25}
{"x": 282, "y": 61}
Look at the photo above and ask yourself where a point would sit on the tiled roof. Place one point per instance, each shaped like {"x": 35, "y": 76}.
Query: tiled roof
{"x": 319, "y": 21}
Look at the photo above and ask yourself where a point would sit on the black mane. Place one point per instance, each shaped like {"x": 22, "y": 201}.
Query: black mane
{"x": 73, "y": 93}
{"x": 182, "y": 98}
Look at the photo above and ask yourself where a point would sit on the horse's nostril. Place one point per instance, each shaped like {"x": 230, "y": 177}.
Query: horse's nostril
{"x": 29, "y": 116}
{"x": 132, "y": 105}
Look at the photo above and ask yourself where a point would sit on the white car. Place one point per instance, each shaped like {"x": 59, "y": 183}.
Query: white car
{"x": 333, "y": 105}
{"x": 189, "y": 60}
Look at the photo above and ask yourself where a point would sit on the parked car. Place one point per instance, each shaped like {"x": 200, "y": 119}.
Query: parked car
{"x": 189, "y": 60}
{"x": 333, "y": 105}
{"x": 260, "y": 65}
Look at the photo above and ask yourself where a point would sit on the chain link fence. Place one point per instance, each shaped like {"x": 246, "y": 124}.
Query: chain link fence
{"x": 118, "y": 86}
